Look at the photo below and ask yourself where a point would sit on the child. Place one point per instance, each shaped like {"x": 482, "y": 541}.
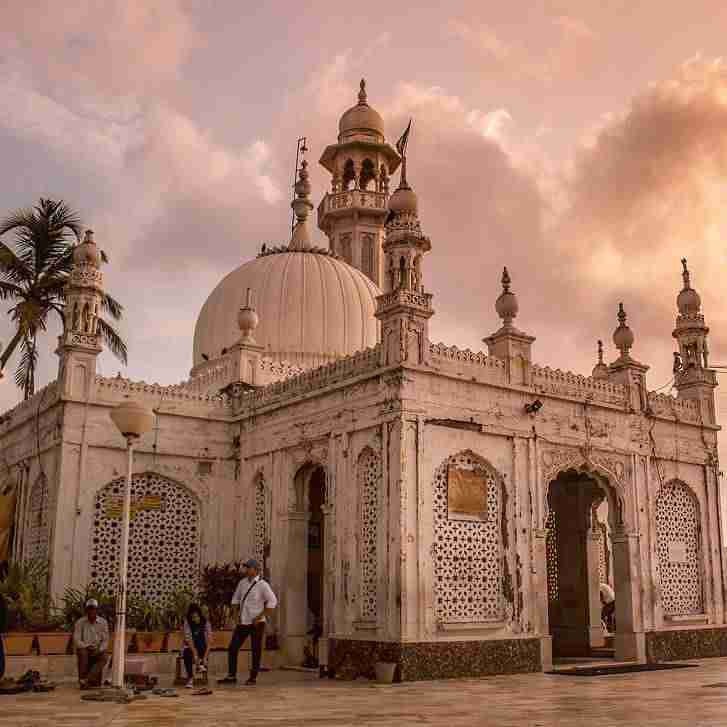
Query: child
{"x": 197, "y": 640}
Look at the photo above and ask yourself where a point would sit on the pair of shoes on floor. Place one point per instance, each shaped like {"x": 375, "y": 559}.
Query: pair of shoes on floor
{"x": 189, "y": 684}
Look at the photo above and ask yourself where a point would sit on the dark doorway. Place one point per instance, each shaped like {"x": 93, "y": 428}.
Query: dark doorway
{"x": 316, "y": 543}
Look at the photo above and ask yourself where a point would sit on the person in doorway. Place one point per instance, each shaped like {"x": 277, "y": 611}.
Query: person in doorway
{"x": 91, "y": 639}
{"x": 197, "y": 640}
{"x": 255, "y": 601}
{"x": 608, "y": 607}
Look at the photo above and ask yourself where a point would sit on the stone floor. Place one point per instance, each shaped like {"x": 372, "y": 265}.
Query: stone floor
{"x": 696, "y": 697}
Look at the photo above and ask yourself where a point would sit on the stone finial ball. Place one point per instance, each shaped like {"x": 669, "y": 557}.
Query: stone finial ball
{"x": 507, "y": 306}
{"x": 689, "y": 302}
{"x": 623, "y": 338}
{"x": 247, "y": 320}
{"x": 86, "y": 253}
{"x": 404, "y": 200}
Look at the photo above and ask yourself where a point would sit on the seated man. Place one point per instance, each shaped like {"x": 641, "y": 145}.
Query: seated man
{"x": 91, "y": 639}
{"x": 608, "y": 607}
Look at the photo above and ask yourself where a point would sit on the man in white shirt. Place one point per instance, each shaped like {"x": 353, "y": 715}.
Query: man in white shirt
{"x": 255, "y": 600}
{"x": 91, "y": 639}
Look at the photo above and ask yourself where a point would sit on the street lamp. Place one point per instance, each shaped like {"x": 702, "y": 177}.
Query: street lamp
{"x": 132, "y": 420}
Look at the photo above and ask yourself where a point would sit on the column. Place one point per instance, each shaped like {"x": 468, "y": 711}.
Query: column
{"x": 294, "y": 606}
{"x": 596, "y": 638}
{"x": 629, "y": 641}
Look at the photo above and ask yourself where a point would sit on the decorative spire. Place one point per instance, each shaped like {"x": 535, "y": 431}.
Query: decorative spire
{"x": 600, "y": 370}
{"x": 302, "y": 206}
{"x": 247, "y": 320}
{"x": 688, "y": 301}
{"x": 623, "y": 336}
{"x": 685, "y": 274}
{"x": 506, "y": 305}
{"x": 362, "y": 93}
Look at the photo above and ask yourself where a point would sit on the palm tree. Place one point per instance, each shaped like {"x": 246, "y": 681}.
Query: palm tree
{"x": 34, "y": 276}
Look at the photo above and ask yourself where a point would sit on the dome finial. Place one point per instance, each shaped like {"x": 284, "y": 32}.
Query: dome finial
{"x": 506, "y": 305}
{"x": 600, "y": 370}
{"x": 86, "y": 252}
{"x": 685, "y": 274}
{"x": 302, "y": 206}
{"x": 688, "y": 301}
{"x": 623, "y": 336}
{"x": 247, "y": 319}
{"x": 362, "y": 93}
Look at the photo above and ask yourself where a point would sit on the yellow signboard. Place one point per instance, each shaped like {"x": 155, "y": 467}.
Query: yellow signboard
{"x": 114, "y": 505}
{"x": 466, "y": 494}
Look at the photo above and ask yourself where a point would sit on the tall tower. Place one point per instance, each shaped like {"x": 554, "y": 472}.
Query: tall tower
{"x": 693, "y": 378}
{"x": 404, "y": 308}
{"x": 354, "y": 212}
{"x": 79, "y": 346}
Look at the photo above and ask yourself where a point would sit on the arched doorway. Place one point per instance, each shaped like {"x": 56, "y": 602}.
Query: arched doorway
{"x": 306, "y": 586}
{"x": 583, "y": 514}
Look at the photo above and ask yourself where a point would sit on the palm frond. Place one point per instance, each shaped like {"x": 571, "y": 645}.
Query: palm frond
{"x": 113, "y": 340}
{"x": 10, "y": 290}
{"x": 112, "y": 307}
{"x": 104, "y": 257}
{"x": 12, "y": 267}
{"x": 25, "y": 371}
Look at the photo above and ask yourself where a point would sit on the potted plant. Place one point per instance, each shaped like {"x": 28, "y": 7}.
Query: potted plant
{"x": 25, "y": 589}
{"x": 146, "y": 619}
{"x": 217, "y": 586}
{"x": 173, "y": 615}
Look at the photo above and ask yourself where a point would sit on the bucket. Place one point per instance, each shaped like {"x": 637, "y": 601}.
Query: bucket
{"x": 385, "y": 672}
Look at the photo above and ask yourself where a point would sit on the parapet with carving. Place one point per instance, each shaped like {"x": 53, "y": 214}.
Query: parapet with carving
{"x": 665, "y": 405}
{"x": 576, "y": 386}
{"x": 42, "y": 400}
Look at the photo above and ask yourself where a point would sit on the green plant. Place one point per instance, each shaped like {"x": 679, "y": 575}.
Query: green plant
{"x": 143, "y": 615}
{"x": 25, "y": 588}
{"x": 217, "y": 586}
{"x": 74, "y": 604}
{"x": 175, "y": 607}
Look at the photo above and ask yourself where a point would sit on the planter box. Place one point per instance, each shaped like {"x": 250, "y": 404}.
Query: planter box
{"x": 175, "y": 639}
{"x": 18, "y": 644}
{"x": 149, "y": 641}
{"x": 52, "y": 642}
{"x": 221, "y": 640}
{"x": 127, "y": 642}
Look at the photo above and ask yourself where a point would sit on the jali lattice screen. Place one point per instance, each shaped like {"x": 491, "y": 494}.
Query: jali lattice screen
{"x": 37, "y": 533}
{"x": 261, "y": 533}
{"x": 678, "y": 550}
{"x": 164, "y": 537}
{"x": 468, "y": 553}
{"x": 369, "y": 478}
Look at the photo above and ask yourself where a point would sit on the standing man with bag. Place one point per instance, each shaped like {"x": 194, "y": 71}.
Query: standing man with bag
{"x": 255, "y": 600}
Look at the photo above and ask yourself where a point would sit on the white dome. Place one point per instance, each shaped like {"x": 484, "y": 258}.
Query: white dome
{"x": 312, "y": 308}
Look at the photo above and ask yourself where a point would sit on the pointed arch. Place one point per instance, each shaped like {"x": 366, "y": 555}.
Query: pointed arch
{"x": 349, "y": 175}
{"x": 368, "y": 174}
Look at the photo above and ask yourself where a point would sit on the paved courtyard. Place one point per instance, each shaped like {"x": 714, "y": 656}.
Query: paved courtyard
{"x": 695, "y": 697}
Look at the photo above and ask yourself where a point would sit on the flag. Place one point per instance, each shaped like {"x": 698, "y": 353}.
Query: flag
{"x": 401, "y": 144}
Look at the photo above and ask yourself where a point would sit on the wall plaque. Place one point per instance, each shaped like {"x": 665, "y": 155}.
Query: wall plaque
{"x": 678, "y": 552}
{"x": 466, "y": 493}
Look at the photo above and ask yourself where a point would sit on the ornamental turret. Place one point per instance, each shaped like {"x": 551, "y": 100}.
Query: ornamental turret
{"x": 693, "y": 378}
{"x": 626, "y": 370}
{"x": 405, "y": 307}
{"x": 80, "y": 343}
{"x": 354, "y": 212}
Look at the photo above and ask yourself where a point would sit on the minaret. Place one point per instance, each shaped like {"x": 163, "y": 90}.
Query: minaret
{"x": 353, "y": 213}
{"x": 508, "y": 343}
{"x": 80, "y": 343}
{"x": 600, "y": 370}
{"x": 404, "y": 308}
{"x": 693, "y": 378}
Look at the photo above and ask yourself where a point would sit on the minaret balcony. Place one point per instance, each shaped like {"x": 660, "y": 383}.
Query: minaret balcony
{"x": 341, "y": 203}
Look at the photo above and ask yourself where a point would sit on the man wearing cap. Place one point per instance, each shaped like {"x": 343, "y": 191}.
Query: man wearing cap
{"x": 255, "y": 600}
{"x": 91, "y": 639}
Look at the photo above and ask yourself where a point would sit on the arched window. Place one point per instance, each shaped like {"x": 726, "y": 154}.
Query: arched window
{"x": 402, "y": 272}
{"x": 367, "y": 253}
{"x": 164, "y": 537}
{"x": 678, "y": 550}
{"x": 368, "y": 174}
{"x": 468, "y": 559}
{"x": 349, "y": 175}
{"x": 368, "y": 476}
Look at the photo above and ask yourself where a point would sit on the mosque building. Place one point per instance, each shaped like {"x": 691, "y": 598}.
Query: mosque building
{"x": 454, "y": 512}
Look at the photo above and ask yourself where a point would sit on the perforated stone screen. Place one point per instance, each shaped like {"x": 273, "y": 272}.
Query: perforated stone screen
{"x": 678, "y": 550}
{"x": 37, "y": 533}
{"x": 468, "y": 554}
{"x": 260, "y": 521}
{"x": 164, "y": 537}
{"x": 369, "y": 479}
{"x": 551, "y": 554}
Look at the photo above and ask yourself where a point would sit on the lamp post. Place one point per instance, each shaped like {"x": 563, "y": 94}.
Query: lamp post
{"x": 132, "y": 420}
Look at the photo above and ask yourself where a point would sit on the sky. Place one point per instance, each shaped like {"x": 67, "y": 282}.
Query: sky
{"x": 582, "y": 144}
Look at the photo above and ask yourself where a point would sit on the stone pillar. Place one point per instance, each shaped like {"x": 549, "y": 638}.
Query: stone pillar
{"x": 629, "y": 641}
{"x": 540, "y": 597}
{"x": 593, "y": 556}
{"x": 294, "y": 604}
